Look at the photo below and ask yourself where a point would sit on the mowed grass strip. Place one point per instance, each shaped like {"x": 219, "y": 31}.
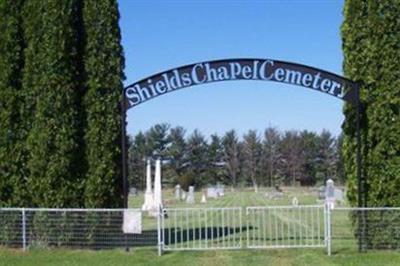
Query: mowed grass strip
{"x": 282, "y": 257}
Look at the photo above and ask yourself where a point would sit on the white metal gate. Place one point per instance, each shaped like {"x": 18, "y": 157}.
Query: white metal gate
{"x": 286, "y": 226}
{"x": 201, "y": 228}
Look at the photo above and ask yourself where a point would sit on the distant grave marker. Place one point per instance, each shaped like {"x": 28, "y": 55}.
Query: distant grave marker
{"x": 178, "y": 192}
{"x": 190, "y": 197}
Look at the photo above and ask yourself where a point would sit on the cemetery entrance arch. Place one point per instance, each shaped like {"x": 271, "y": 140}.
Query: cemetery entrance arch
{"x": 243, "y": 69}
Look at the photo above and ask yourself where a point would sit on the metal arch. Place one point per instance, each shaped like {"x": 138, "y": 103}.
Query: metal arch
{"x": 147, "y": 86}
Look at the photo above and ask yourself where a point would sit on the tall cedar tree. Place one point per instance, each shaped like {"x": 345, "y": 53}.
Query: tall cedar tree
{"x": 51, "y": 89}
{"x": 252, "y": 157}
{"x": 384, "y": 110}
{"x": 231, "y": 146}
{"x": 103, "y": 62}
{"x": 11, "y": 64}
{"x": 355, "y": 39}
{"x": 371, "y": 40}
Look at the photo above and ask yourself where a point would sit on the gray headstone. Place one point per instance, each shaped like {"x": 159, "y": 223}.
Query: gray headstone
{"x": 321, "y": 193}
{"x": 220, "y": 190}
{"x": 190, "y": 197}
{"x": 295, "y": 202}
{"x": 212, "y": 192}
{"x": 339, "y": 195}
{"x": 133, "y": 191}
{"x": 330, "y": 189}
{"x": 330, "y": 194}
{"x": 178, "y": 192}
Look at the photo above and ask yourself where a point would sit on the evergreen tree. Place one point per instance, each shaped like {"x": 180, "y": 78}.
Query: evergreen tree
{"x": 158, "y": 139}
{"x": 199, "y": 161}
{"x": 252, "y": 157}
{"x": 292, "y": 158}
{"x": 272, "y": 159}
{"x": 355, "y": 49}
{"x": 312, "y": 160}
{"x": 103, "y": 66}
{"x": 176, "y": 151}
{"x": 230, "y": 143}
{"x": 371, "y": 37}
{"x": 50, "y": 91}
{"x": 339, "y": 159}
{"x": 326, "y": 155}
{"x": 216, "y": 169}
{"x": 383, "y": 137}
{"x": 138, "y": 153}
{"x": 12, "y": 189}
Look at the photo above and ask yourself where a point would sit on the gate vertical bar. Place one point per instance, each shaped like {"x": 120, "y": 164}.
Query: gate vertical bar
{"x": 241, "y": 228}
{"x": 123, "y": 150}
{"x": 159, "y": 241}
{"x": 124, "y": 159}
{"x": 329, "y": 230}
{"x": 325, "y": 225}
{"x": 247, "y": 227}
{"x": 23, "y": 230}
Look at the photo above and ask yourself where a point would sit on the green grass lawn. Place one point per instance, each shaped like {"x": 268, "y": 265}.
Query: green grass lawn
{"x": 135, "y": 257}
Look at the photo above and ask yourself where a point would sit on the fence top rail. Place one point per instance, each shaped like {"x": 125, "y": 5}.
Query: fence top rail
{"x": 285, "y": 207}
{"x": 202, "y": 209}
{"x": 366, "y": 209}
{"x": 68, "y": 209}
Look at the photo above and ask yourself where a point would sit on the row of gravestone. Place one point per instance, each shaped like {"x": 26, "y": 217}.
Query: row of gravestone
{"x": 211, "y": 192}
{"x": 328, "y": 194}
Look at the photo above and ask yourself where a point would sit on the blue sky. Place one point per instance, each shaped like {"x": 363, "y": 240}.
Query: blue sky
{"x": 160, "y": 35}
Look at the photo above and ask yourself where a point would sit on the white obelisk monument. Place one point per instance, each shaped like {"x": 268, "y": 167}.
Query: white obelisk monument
{"x": 157, "y": 186}
{"x": 148, "y": 196}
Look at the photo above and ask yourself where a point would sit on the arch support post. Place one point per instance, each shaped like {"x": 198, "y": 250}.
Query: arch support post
{"x": 362, "y": 191}
{"x": 124, "y": 160}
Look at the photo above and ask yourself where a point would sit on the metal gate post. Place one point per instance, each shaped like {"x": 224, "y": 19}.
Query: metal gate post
{"x": 159, "y": 240}
{"x": 328, "y": 230}
{"x": 241, "y": 226}
{"x": 23, "y": 230}
{"x": 247, "y": 228}
{"x": 325, "y": 225}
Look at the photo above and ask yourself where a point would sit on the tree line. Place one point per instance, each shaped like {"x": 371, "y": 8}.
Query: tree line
{"x": 270, "y": 158}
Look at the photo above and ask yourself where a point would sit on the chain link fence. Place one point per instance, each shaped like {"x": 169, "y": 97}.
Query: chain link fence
{"x": 72, "y": 228}
{"x": 365, "y": 229}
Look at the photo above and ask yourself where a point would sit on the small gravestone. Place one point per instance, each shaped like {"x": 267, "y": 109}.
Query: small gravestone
{"x": 321, "y": 192}
{"x": 190, "y": 197}
{"x": 220, "y": 190}
{"x": 295, "y": 202}
{"x": 133, "y": 191}
{"x": 339, "y": 196}
{"x": 203, "y": 198}
{"x": 132, "y": 222}
{"x": 183, "y": 195}
{"x": 215, "y": 191}
{"x": 178, "y": 192}
{"x": 212, "y": 192}
{"x": 330, "y": 194}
